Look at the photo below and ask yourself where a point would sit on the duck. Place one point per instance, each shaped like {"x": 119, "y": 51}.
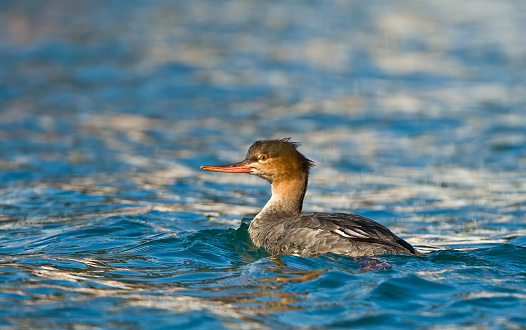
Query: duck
{"x": 283, "y": 229}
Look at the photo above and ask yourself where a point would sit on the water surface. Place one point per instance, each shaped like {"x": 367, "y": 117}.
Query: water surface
{"x": 414, "y": 113}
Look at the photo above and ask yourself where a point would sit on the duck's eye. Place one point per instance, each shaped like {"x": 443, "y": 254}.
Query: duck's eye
{"x": 263, "y": 158}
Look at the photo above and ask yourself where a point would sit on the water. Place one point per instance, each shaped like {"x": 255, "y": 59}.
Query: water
{"x": 413, "y": 111}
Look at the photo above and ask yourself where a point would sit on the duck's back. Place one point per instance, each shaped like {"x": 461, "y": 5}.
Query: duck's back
{"x": 309, "y": 234}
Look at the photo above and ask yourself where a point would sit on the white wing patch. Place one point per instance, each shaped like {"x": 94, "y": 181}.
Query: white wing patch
{"x": 354, "y": 234}
{"x": 341, "y": 233}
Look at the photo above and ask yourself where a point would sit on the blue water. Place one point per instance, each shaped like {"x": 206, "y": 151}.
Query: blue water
{"x": 415, "y": 113}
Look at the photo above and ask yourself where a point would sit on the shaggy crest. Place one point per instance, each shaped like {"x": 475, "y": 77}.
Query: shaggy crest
{"x": 277, "y": 148}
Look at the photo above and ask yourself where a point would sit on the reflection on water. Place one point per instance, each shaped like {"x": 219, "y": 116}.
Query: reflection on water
{"x": 257, "y": 292}
{"x": 413, "y": 112}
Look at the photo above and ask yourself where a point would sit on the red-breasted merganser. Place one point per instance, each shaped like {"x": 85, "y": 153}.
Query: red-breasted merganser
{"x": 281, "y": 227}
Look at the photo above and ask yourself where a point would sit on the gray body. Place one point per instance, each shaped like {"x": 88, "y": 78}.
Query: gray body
{"x": 310, "y": 234}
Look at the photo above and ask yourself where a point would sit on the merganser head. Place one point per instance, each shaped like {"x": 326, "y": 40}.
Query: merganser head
{"x": 273, "y": 160}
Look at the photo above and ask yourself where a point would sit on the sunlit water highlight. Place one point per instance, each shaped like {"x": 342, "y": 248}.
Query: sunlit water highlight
{"x": 413, "y": 111}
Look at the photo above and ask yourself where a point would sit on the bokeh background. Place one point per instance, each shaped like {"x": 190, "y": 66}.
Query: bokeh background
{"x": 414, "y": 112}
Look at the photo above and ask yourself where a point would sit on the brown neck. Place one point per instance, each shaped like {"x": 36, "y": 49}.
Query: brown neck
{"x": 287, "y": 197}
